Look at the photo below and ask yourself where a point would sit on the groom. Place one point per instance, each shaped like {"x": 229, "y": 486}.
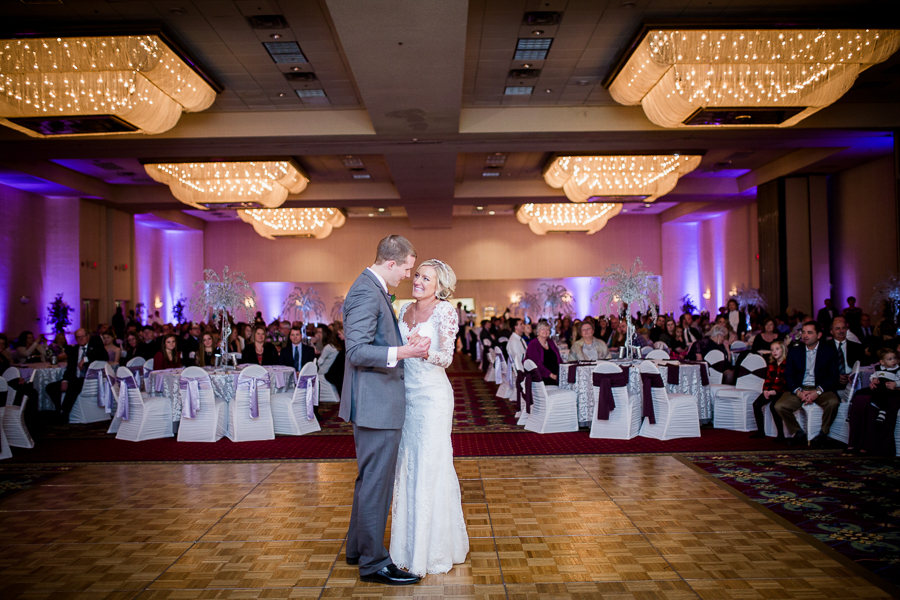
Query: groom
{"x": 374, "y": 400}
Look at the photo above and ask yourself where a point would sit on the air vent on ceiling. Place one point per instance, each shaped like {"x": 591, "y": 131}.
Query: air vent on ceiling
{"x": 532, "y": 48}
{"x": 541, "y": 18}
{"x": 497, "y": 159}
{"x": 518, "y": 90}
{"x": 352, "y": 162}
{"x": 232, "y": 205}
{"x": 524, "y": 73}
{"x": 267, "y": 22}
{"x": 719, "y": 166}
{"x": 285, "y": 52}
{"x": 311, "y": 93}
{"x": 301, "y": 77}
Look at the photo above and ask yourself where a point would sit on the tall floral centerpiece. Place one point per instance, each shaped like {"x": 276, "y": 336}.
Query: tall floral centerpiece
{"x": 178, "y": 310}
{"x": 887, "y": 296}
{"x": 555, "y": 300}
{"x": 300, "y": 304}
{"x": 687, "y": 305}
{"x": 750, "y": 297}
{"x": 634, "y": 289}
{"x": 337, "y": 309}
{"x": 223, "y": 296}
{"x": 527, "y": 304}
{"x": 58, "y": 313}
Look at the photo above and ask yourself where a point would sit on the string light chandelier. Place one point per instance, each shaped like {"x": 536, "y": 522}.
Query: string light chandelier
{"x": 251, "y": 184}
{"x": 589, "y": 217}
{"x": 294, "y": 222}
{"x": 633, "y": 177}
{"x": 101, "y": 85}
{"x": 745, "y": 77}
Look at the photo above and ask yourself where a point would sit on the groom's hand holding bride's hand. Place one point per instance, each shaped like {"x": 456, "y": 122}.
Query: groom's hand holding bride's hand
{"x": 416, "y": 348}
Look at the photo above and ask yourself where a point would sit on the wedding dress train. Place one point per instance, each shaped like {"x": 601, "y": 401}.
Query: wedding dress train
{"x": 428, "y": 531}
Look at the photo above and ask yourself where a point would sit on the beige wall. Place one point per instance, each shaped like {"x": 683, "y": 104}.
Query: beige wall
{"x": 863, "y": 230}
{"x": 106, "y": 237}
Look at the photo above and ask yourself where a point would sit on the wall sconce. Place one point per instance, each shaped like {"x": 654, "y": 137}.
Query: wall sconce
{"x": 25, "y": 299}
{"x": 513, "y": 298}
{"x": 733, "y": 292}
{"x": 249, "y": 303}
{"x": 707, "y": 294}
{"x": 158, "y": 303}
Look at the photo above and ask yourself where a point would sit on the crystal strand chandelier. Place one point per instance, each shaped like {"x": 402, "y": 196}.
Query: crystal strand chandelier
{"x": 588, "y": 217}
{"x": 97, "y": 85}
{"x": 250, "y": 184}
{"x": 630, "y": 177}
{"x": 294, "y": 222}
{"x": 745, "y": 77}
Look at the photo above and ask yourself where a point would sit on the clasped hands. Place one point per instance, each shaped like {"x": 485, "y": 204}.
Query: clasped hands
{"x": 808, "y": 396}
{"x": 416, "y": 347}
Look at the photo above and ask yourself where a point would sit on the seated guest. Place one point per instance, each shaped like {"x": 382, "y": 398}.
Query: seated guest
{"x": 736, "y": 317}
{"x": 79, "y": 357}
{"x": 620, "y": 336}
{"x": 764, "y": 339}
{"x": 58, "y": 347}
{"x": 865, "y": 327}
{"x": 588, "y": 347}
{"x": 168, "y": 357}
{"x": 113, "y": 352}
{"x": 669, "y": 335}
{"x": 206, "y": 354}
{"x": 659, "y": 327}
{"x": 335, "y": 375}
{"x": 5, "y": 354}
{"x": 296, "y": 353}
{"x": 190, "y": 345}
{"x": 129, "y": 347}
{"x": 235, "y": 340}
{"x": 259, "y": 351}
{"x": 714, "y": 340}
{"x": 873, "y": 412}
{"x": 516, "y": 345}
{"x": 811, "y": 374}
{"x": 545, "y": 354}
{"x": 331, "y": 346}
{"x": 528, "y": 333}
{"x": 848, "y": 352}
{"x": 29, "y": 349}
{"x": 679, "y": 350}
{"x": 773, "y": 387}
{"x": 691, "y": 333}
{"x": 149, "y": 346}
{"x": 602, "y": 329}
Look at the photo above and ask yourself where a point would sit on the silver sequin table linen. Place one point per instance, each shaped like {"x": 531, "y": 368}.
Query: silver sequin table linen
{"x": 41, "y": 374}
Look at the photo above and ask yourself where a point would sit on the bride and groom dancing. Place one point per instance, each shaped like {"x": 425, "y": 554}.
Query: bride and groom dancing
{"x": 400, "y": 402}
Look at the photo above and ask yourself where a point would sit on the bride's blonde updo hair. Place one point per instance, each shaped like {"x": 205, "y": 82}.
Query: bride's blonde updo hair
{"x": 446, "y": 278}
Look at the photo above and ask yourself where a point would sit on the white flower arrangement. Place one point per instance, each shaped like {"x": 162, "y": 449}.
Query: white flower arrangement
{"x": 634, "y": 289}
{"x": 300, "y": 304}
{"x": 222, "y": 297}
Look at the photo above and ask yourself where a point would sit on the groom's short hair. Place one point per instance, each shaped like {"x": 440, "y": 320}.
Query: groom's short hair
{"x": 394, "y": 247}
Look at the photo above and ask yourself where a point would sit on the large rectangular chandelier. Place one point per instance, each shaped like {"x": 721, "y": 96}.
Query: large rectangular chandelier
{"x": 744, "y": 77}
{"x": 588, "y": 217}
{"x": 612, "y": 178}
{"x": 98, "y": 85}
{"x": 244, "y": 184}
{"x": 315, "y": 223}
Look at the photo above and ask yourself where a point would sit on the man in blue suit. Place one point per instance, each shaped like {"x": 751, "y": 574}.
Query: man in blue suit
{"x": 812, "y": 375}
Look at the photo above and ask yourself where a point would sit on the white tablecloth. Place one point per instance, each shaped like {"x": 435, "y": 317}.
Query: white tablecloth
{"x": 40, "y": 374}
{"x": 224, "y": 381}
{"x": 689, "y": 383}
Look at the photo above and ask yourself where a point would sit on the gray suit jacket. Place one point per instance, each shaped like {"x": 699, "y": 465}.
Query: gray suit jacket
{"x": 373, "y": 395}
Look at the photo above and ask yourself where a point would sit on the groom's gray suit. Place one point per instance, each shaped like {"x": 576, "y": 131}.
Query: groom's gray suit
{"x": 374, "y": 400}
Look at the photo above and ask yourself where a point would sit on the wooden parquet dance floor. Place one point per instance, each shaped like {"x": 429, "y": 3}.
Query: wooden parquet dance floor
{"x": 561, "y": 528}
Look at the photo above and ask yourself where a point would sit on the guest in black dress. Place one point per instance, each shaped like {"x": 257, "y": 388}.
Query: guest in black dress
{"x": 259, "y": 351}
{"x": 545, "y": 354}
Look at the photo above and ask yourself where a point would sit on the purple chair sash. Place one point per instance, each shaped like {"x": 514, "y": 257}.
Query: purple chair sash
{"x": 104, "y": 387}
{"x": 704, "y": 372}
{"x": 572, "y": 375}
{"x": 254, "y": 385}
{"x": 160, "y": 384}
{"x": 649, "y": 381}
{"x": 761, "y": 373}
{"x": 721, "y": 366}
{"x": 311, "y": 384}
{"x": 673, "y": 374}
{"x": 605, "y": 382}
{"x": 26, "y": 373}
{"x": 498, "y": 369}
{"x": 122, "y": 410}
{"x": 524, "y": 380}
{"x": 190, "y": 394}
{"x": 3, "y": 396}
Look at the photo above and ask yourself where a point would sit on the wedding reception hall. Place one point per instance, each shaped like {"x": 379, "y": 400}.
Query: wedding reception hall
{"x": 663, "y": 244}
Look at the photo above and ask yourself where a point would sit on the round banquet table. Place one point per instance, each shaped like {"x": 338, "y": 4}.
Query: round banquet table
{"x": 689, "y": 383}
{"x": 224, "y": 381}
{"x": 41, "y": 374}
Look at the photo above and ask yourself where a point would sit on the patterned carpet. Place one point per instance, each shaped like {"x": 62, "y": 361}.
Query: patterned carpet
{"x": 851, "y": 504}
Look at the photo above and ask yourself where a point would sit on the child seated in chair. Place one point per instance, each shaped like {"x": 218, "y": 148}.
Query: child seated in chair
{"x": 873, "y": 412}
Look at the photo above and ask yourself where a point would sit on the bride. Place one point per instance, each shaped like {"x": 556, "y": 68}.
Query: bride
{"x": 428, "y": 531}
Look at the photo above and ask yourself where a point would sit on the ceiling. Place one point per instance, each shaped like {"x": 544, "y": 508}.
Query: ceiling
{"x": 411, "y": 113}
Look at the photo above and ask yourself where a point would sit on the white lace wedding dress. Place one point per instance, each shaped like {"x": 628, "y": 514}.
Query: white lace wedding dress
{"x": 428, "y": 531}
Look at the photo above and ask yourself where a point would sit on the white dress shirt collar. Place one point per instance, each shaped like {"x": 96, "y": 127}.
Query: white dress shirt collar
{"x": 379, "y": 278}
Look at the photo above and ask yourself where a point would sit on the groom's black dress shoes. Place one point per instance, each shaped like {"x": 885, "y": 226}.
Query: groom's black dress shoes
{"x": 391, "y": 575}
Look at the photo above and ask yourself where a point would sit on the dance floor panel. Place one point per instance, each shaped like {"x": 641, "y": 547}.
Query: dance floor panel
{"x": 572, "y": 528}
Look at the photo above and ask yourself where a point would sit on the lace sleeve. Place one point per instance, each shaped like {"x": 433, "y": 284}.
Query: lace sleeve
{"x": 447, "y": 326}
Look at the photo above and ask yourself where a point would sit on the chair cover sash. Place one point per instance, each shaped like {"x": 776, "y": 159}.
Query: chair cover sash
{"x": 104, "y": 388}
{"x": 525, "y": 379}
{"x": 125, "y": 384}
{"x": 722, "y": 366}
{"x": 311, "y": 384}
{"x": 160, "y": 383}
{"x": 498, "y": 369}
{"x": 673, "y": 374}
{"x": 649, "y": 381}
{"x": 742, "y": 371}
{"x": 253, "y": 384}
{"x": 190, "y": 394}
{"x": 605, "y": 382}
{"x": 279, "y": 377}
{"x": 572, "y": 375}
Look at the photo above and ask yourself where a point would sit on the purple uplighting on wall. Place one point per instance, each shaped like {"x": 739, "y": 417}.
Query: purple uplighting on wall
{"x": 174, "y": 261}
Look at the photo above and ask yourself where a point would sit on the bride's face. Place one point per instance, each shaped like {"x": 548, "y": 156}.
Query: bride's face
{"x": 424, "y": 283}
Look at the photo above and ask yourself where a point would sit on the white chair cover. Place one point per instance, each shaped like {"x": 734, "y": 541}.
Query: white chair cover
{"x": 501, "y": 374}
{"x": 840, "y": 429}
{"x": 5, "y": 451}
{"x": 489, "y": 353}
{"x": 714, "y": 357}
{"x": 136, "y": 366}
{"x": 14, "y": 430}
{"x": 658, "y": 355}
{"x": 250, "y": 418}
{"x": 677, "y": 415}
{"x": 738, "y": 346}
{"x": 11, "y": 373}
{"x": 522, "y": 414}
{"x": 625, "y": 420}
{"x": 646, "y": 350}
{"x": 141, "y": 416}
{"x": 205, "y": 420}
{"x": 291, "y": 412}
{"x": 91, "y": 404}
{"x": 733, "y": 404}
{"x": 553, "y": 411}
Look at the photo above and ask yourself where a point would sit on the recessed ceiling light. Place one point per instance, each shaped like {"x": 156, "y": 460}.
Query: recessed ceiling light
{"x": 361, "y": 176}
{"x": 538, "y": 32}
{"x": 526, "y": 65}
{"x": 380, "y": 210}
{"x": 547, "y": 91}
{"x": 281, "y": 95}
{"x": 371, "y": 214}
{"x": 295, "y": 68}
{"x": 275, "y": 36}
{"x": 582, "y": 82}
{"x": 518, "y": 90}
{"x": 647, "y": 205}
{"x": 479, "y": 208}
{"x": 624, "y": 210}
{"x": 491, "y": 174}
{"x": 490, "y": 212}
{"x": 310, "y": 93}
